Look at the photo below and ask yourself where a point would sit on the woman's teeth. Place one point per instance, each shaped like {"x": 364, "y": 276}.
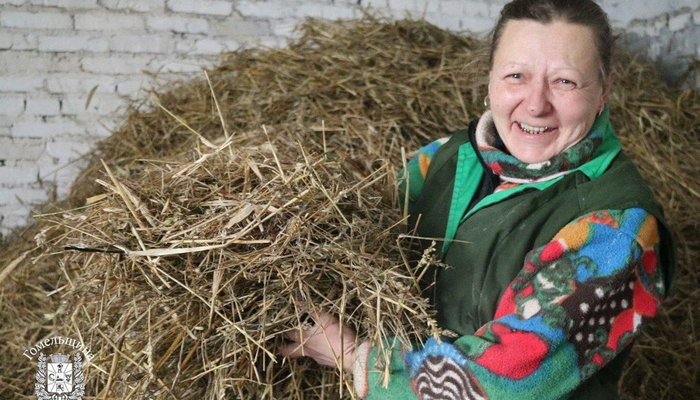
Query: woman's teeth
{"x": 533, "y": 129}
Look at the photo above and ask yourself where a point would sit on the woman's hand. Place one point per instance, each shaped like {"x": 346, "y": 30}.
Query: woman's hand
{"x": 323, "y": 342}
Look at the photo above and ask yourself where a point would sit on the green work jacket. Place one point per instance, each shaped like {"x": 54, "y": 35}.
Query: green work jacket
{"x": 487, "y": 235}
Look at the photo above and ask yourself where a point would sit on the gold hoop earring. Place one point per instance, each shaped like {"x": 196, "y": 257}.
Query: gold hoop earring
{"x": 487, "y": 103}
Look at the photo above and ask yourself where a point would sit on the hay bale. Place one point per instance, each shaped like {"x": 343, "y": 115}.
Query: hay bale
{"x": 192, "y": 269}
{"x": 353, "y": 95}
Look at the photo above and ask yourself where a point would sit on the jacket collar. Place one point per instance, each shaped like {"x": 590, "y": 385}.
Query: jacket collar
{"x": 513, "y": 171}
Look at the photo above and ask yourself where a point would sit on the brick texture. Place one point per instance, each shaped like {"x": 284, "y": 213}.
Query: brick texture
{"x": 106, "y": 21}
{"x": 203, "y": 7}
{"x": 44, "y": 20}
{"x": 69, "y": 4}
{"x": 146, "y": 6}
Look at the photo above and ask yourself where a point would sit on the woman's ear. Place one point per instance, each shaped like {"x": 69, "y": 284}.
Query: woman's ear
{"x": 607, "y": 87}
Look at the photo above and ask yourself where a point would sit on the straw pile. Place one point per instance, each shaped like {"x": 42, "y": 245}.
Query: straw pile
{"x": 215, "y": 257}
{"x": 228, "y": 205}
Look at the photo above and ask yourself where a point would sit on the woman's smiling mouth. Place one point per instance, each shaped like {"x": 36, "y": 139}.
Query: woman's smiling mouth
{"x": 534, "y": 130}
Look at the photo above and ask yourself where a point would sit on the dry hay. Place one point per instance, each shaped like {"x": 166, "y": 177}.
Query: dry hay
{"x": 353, "y": 95}
{"x": 214, "y": 258}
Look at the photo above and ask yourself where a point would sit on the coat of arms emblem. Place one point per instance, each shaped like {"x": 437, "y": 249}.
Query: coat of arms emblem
{"x": 59, "y": 379}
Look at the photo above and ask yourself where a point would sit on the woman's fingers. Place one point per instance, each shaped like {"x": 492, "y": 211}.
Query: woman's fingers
{"x": 292, "y": 334}
{"x": 322, "y": 319}
{"x": 311, "y": 324}
{"x": 292, "y": 350}
{"x": 326, "y": 341}
{"x": 307, "y": 329}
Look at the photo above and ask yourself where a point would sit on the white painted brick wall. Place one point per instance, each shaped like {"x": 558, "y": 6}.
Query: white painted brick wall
{"x": 326, "y": 11}
{"x": 209, "y": 47}
{"x": 38, "y": 128}
{"x": 16, "y": 83}
{"x": 177, "y": 24}
{"x": 414, "y": 7}
{"x": 101, "y": 104}
{"x": 131, "y": 89}
{"x": 67, "y": 149}
{"x": 107, "y": 21}
{"x": 12, "y": 2}
{"x": 139, "y": 43}
{"x": 66, "y": 44}
{"x": 67, "y": 4}
{"x": 33, "y": 196}
{"x": 11, "y": 106}
{"x": 237, "y": 28}
{"x": 623, "y": 12}
{"x": 18, "y": 172}
{"x": 115, "y": 64}
{"x": 25, "y": 41}
{"x": 35, "y": 64}
{"x": 134, "y": 5}
{"x": 182, "y": 67}
{"x": 283, "y": 27}
{"x": 80, "y": 83}
{"x": 29, "y": 148}
{"x": 16, "y": 176}
{"x": 43, "y": 107}
{"x": 53, "y": 20}
{"x": 6, "y": 41}
{"x": 679, "y": 22}
{"x": 56, "y": 53}
{"x": 264, "y": 10}
{"x": 201, "y": 7}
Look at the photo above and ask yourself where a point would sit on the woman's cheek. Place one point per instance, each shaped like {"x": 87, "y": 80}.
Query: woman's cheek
{"x": 508, "y": 95}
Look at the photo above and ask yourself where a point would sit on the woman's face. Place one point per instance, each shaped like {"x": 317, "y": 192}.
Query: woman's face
{"x": 544, "y": 87}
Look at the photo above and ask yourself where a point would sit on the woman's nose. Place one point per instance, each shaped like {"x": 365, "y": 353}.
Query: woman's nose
{"x": 538, "y": 102}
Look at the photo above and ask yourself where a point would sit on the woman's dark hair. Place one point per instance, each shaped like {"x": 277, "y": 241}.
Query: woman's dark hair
{"x": 581, "y": 12}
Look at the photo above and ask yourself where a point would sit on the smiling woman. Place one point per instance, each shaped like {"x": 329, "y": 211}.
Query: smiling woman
{"x": 545, "y": 88}
{"x": 558, "y": 252}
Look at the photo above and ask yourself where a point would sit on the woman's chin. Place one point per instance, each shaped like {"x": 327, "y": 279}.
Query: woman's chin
{"x": 531, "y": 148}
{"x": 531, "y": 156}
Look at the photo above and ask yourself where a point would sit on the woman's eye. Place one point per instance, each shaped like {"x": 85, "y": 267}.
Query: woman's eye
{"x": 516, "y": 77}
{"x": 567, "y": 82}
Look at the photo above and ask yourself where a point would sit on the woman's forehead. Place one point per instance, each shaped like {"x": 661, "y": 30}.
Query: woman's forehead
{"x": 562, "y": 43}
